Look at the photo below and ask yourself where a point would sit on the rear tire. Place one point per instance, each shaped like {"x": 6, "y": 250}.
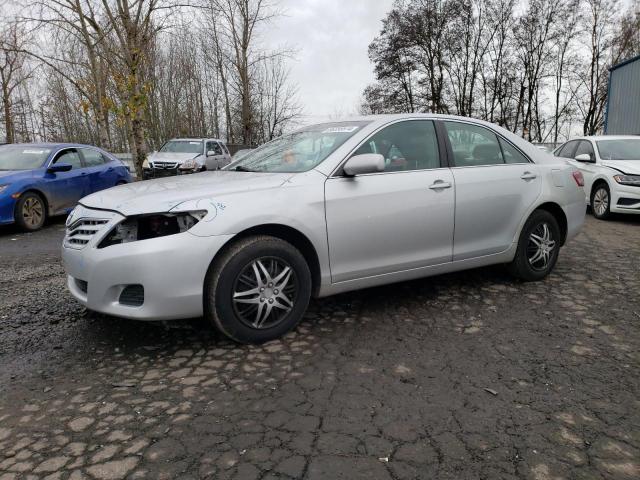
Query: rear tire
{"x": 257, "y": 290}
{"x": 30, "y": 212}
{"x": 538, "y": 247}
{"x": 601, "y": 201}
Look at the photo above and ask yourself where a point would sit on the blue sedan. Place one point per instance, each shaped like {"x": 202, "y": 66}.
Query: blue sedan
{"x": 46, "y": 179}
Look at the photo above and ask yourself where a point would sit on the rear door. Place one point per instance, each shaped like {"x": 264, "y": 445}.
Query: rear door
{"x": 101, "y": 174}
{"x": 394, "y": 220}
{"x": 66, "y": 188}
{"x": 496, "y": 185}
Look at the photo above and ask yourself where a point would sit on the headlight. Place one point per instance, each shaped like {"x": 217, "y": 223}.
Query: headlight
{"x": 189, "y": 165}
{"x": 3, "y": 187}
{"x": 144, "y": 227}
{"x": 633, "y": 180}
{"x": 145, "y": 164}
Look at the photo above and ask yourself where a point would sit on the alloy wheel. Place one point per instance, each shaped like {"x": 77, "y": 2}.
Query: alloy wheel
{"x": 601, "y": 201}
{"x": 32, "y": 212}
{"x": 540, "y": 247}
{"x": 265, "y": 292}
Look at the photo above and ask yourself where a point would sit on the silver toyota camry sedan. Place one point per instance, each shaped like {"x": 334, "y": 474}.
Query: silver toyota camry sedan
{"x": 326, "y": 209}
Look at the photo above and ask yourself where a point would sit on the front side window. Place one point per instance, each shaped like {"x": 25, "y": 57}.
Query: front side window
{"x": 70, "y": 157}
{"x": 405, "y": 146}
{"x": 567, "y": 150}
{"x": 22, "y": 157}
{"x": 299, "y": 151}
{"x": 92, "y": 158}
{"x": 473, "y": 145}
{"x": 182, "y": 146}
{"x": 627, "y": 149}
{"x": 585, "y": 147}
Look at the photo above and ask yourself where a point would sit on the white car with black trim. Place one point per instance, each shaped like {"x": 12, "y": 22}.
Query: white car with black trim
{"x": 180, "y": 156}
{"x": 611, "y": 169}
{"x": 326, "y": 209}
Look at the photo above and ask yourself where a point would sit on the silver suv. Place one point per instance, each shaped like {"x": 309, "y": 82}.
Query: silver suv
{"x": 179, "y": 156}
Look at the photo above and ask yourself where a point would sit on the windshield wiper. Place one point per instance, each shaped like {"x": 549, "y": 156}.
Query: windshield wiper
{"x": 240, "y": 168}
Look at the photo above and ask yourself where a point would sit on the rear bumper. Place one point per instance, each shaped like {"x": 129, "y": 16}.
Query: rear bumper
{"x": 170, "y": 269}
{"x": 575, "y": 213}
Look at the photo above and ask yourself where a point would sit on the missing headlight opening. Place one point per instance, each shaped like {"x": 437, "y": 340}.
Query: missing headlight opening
{"x": 144, "y": 227}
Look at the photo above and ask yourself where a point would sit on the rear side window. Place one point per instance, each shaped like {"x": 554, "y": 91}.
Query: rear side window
{"x": 511, "y": 154}
{"x": 405, "y": 146}
{"x": 92, "y": 158}
{"x": 473, "y": 145}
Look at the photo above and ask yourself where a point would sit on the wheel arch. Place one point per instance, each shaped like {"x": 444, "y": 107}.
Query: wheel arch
{"x": 558, "y": 213}
{"x": 41, "y": 194}
{"x": 596, "y": 182}
{"x": 291, "y": 235}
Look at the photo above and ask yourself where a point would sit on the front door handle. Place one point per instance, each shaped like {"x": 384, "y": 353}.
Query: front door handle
{"x": 440, "y": 185}
{"x": 528, "y": 176}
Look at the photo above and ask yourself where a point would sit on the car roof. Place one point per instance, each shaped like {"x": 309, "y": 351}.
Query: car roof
{"x": 50, "y": 145}
{"x": 607, "y": 137}
{"x": 195, "y": 139}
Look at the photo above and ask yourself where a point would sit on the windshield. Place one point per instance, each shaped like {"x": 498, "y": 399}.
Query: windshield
{"x": 299, "y": 151}
{"x": 22, "y": 157}
{"x": 626, "y": 149}
{"x": 183, "y": 146}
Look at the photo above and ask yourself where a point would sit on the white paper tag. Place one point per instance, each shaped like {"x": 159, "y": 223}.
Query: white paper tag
{"x": 33, "y": 152}
{"x": 340, "y": 130}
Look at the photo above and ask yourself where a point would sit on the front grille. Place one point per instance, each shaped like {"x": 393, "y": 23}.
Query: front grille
{"x": 165, "y": 165}
{"x": 132, "y": 296}
{"x": 79, "y": 233}
{"x": 82, "y": 285}
{"x": 83, "y": 224}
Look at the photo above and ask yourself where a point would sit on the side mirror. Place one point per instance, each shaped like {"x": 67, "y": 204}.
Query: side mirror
{"x": 211, "y": 153}
{"x": 365, "y": 163}
{"x": 584, "y": 157}
{"x": 59, "y": 167}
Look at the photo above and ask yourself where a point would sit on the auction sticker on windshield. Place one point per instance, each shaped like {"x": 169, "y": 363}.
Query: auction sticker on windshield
{"x": 340, "y": 130}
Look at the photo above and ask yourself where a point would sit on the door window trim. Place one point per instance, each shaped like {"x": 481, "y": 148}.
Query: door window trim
{"x": 339, "y": 173}
{"x": 59, "y": 153}
{"x": 573, "y": 150}
{"x": 451, "y": 158}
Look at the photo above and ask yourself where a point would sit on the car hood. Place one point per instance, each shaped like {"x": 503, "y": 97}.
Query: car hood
{"x": 9, "y": 176}
{"x": 163, "y": 194}
{"x": 171, "y": 157}
{"x": 631, "y": 167}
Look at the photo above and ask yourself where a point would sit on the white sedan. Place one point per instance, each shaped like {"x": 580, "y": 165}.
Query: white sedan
{"x": 326, "y": 209}
{"x": 611, "y": 169}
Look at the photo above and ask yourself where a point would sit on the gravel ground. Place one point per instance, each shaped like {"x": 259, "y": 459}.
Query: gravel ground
{"x": 470, "y": 375}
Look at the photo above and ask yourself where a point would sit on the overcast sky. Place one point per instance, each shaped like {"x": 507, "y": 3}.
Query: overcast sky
{"x": 331, "y": 66}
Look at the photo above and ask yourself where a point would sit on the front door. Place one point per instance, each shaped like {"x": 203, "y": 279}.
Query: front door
{"x": 395, "y": 220}
{"x": 215, "y": 156}
{"x": 496, "y": 185}
{"x": 66, "y": 188}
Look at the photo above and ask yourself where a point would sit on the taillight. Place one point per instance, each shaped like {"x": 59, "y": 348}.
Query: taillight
{"x": 577, "y": 176}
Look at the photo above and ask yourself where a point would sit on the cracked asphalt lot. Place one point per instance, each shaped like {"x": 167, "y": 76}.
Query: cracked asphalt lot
{"x": 470, "y": 375}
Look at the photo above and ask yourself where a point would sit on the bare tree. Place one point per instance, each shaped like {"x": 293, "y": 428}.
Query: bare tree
{"x": 13, "y": 72}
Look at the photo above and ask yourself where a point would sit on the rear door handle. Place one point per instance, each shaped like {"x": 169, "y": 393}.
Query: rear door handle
{"x": 528, "y": 176}
{"x": 440, "y": 185}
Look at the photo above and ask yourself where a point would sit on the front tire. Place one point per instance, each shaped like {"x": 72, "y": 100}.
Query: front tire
{"x": 257, "y": 290}
{"x": 601, "y": 201}
{"x": 538, "y": 247}
{"x": 30, "y": 212}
